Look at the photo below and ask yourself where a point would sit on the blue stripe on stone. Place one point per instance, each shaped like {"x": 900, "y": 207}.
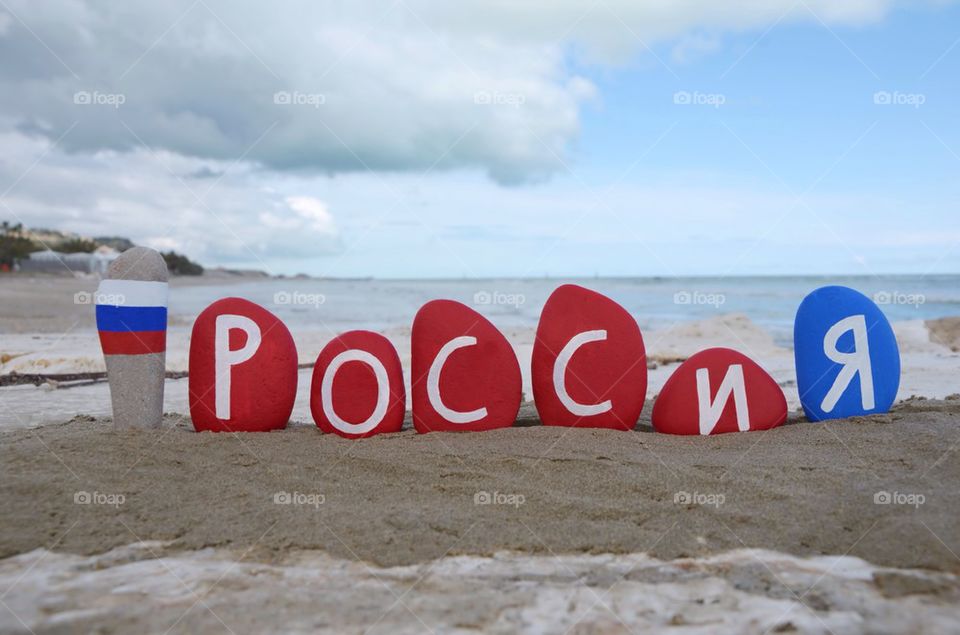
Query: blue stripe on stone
{"x": 125, "y": 319}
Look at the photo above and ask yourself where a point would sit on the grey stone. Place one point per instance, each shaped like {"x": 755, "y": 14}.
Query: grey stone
{"x": 137, "y": 381}
{"x": 139, "y": 263}
{"x": 136, "y": 389}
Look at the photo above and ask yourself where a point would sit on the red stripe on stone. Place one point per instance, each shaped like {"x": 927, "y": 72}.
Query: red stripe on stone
{"x": 133, "y": 343}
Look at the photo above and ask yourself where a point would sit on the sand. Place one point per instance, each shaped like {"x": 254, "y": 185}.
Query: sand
{"x": 58, "y": 304}
{"x": 525, "y": 529}
{"x": 746, "y": 591}
{"x": 946, "y": 332}
{"x": 804, "y": 489}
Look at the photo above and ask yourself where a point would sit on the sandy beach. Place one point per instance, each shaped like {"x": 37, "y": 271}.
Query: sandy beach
{"x": 407, "y": 498}
{"x": 844, "y": 526}
{"x": 530, "y": 527}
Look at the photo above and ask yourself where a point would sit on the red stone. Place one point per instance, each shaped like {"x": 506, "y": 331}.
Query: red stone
{"x": 475, "y": 376}
{"x": 365, "y": 394}
{"x": 605, "y": 381}
{"x": 677, "y": 409}
{"x": 262, "y": 379}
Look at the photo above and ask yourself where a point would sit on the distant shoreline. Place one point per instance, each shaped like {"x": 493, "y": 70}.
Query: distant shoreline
{"x": 218, "y": 273}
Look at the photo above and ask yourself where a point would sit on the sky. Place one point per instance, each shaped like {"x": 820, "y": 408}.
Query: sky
{"x": 407, "y": 138}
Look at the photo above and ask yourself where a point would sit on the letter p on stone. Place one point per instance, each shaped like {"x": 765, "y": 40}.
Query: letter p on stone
{"x": 243, "y": 369}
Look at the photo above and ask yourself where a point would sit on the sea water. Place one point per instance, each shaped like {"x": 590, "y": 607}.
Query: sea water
{"x": 770, "y": 302}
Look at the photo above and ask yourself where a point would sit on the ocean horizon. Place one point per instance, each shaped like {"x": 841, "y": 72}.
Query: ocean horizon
{"x": 656, "y": 302}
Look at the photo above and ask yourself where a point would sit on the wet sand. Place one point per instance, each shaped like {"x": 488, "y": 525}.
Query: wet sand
{"x": 55, "y": 303}
{"x": 746, "y": 591}
{"x": 804, "y": 489}
{"x": 946, "y": 332}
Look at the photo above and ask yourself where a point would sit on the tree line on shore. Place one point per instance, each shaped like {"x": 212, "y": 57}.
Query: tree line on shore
{"x": 18, "y": 242}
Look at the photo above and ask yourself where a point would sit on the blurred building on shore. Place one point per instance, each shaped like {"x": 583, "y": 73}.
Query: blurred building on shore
{"x": 49, "y": 261}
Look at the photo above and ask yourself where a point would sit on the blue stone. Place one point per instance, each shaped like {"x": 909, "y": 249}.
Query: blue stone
{"x": 848, "y": 362}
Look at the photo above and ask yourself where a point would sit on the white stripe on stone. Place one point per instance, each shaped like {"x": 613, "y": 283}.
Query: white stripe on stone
{"x": 132, "y": 293}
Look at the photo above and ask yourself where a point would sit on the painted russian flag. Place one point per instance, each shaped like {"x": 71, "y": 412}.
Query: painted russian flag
{"x": 132, "y": 317}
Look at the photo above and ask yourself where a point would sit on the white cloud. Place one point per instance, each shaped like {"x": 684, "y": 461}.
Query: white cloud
{"x": 162, "y": 243}
{"x": 315, "y": 211}
{"x": 694, "y": 46}
{"x": 352, "y": 86}
{"x": 220, "y": 217}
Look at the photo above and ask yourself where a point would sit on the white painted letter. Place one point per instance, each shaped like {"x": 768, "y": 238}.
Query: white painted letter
{"x": 560, "y": 374}
{"x": 856, "y": 362}
{"x": 225, "y": 359}
{"x": 710, "y": 411}
{"x": 433, "y": 383}
{"x": 383, "y": 391}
